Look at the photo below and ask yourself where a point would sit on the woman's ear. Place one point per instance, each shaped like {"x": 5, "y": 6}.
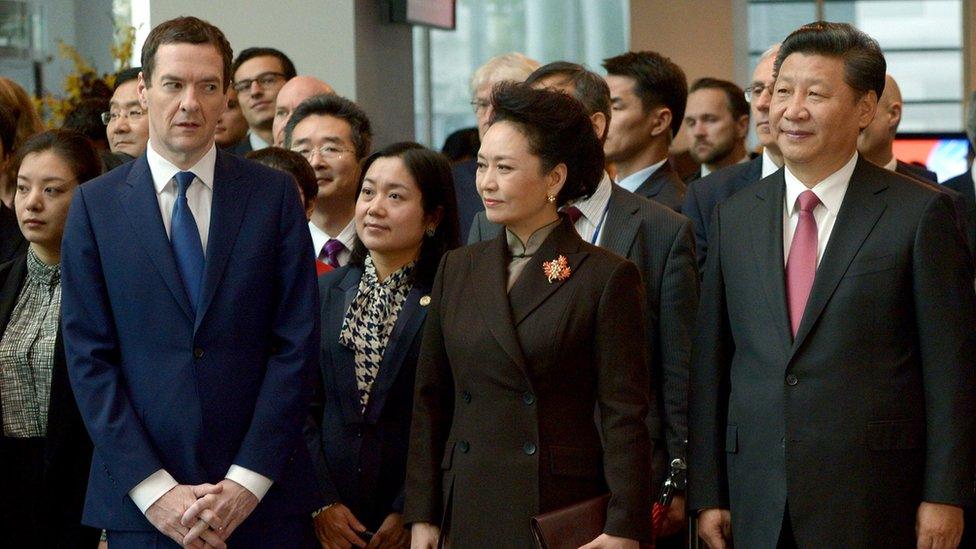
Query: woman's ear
{"x": 555, "y": 179}
{"x": 432, "y": 220}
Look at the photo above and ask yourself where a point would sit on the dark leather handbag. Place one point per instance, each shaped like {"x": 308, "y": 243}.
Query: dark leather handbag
{"x": 571, "y": 527}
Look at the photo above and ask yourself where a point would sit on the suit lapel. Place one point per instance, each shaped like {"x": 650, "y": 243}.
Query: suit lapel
{"x": 343, "y": 359}
{"x": 858, "y": 215}
{"x": 408, "y": 323}
{"x": 141, "y": 206}
{"x": 532, "y": 288}
{"x": 621, "y": 224}
{"x": 489, "y": 276}
{"x": 655, "y": 182}
{"x": 767, "y": 243}
{"x": 230, "y": 195}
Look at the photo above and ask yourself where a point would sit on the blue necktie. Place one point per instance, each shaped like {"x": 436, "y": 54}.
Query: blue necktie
{"x": 185, "y": 238}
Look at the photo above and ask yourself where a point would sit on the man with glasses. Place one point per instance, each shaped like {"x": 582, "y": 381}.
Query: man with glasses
{"x": 705, "y": 194}
{"x": 334, "y": 135}
{"x": 126, "y": 123}
{"x": 259, "y": 74}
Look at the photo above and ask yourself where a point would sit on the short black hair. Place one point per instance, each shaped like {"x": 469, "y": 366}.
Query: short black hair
{"x": 559, "y": 131}
{"x": 287, "y": 67}
{"x": 658, "y": 81}
{"x": 589, "y": 88}
{"x": 735, "y": 98}
{"x": 864, "y": 64}
{"x": 86, "y": 118}
{"x": 8, "y": 132}
{"x": 72, "y": 147}
{"x": 185, "y": 30}
{"x": 462, "y": 144}
{"x": 126, "y": 75}
{"x": 292, "y": 163}
{"x": 432, "y": 172}
{"x": 330, "y": 104}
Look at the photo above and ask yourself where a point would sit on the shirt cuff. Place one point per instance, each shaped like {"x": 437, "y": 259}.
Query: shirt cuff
{"x": 255, "y": 483}
{"x": 148, "y": 491}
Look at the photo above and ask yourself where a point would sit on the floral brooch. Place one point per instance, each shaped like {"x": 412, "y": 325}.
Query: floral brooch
{"x": 557, "y": 269}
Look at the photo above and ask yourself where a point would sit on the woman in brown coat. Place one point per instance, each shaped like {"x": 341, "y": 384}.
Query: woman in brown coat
{"x": 526, "y": 335}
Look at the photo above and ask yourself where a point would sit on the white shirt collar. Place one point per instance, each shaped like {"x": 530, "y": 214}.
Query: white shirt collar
{"x": 769, "y": 166}
{"x": 163, "y": 170}
{"x": 830, "y": 190}
{"x": 636, "y": 179}
{"x": 256, "y": 142}
{"x": 319, "y": 237}
{"x": 892, "y": 165}
{"x": 593, "y": 207}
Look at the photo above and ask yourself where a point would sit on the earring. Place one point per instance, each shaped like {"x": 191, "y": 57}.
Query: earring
{"x": 429, "y": 231}
{"x": 550, "y": 198}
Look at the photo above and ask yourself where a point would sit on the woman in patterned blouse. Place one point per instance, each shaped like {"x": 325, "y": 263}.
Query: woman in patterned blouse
{"x": 44, "y": 448}
{"x": 373, "y": 311}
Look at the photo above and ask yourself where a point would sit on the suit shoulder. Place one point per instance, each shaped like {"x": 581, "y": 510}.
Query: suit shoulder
{"x": 332, "y": 278}
{"x": 658, "y": 215}
{"x": 960, "y": 182}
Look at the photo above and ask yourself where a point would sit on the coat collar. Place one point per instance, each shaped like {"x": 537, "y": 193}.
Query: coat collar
{"x": 622, "y": 221}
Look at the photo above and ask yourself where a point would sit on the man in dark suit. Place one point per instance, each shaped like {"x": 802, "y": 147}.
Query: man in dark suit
{"x": 190, "y": 325}
{"x": 832, "y": 400}
{"x": 648, "y": 93}
{"x": 259, "y": 74}
{"x": 659, "y": 242}
{"x": 708, "y": 192}
{"x": 717, "y": 121}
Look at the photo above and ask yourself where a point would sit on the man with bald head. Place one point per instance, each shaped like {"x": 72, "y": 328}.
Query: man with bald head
{"x": 291, "y": 95}
{"x": 705, "y": 194}
{"x": 876, "y": 140}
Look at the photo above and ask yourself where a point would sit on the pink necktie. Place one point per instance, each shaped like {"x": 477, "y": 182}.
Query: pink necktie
{"x": 801, "y": 265}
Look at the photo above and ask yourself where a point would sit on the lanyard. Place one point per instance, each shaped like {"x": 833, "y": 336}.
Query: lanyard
{"x": 599, "y": 227}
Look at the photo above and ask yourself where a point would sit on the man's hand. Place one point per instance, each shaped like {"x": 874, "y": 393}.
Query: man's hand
{"x": 337, "y": 528}
{"x": 715, "y": 527}
{"x": 391, "y": 535}
{"x": 424, "y": 535}
{"x": 674, "y": 519}
{"x": 938, "y": 526}
{"x": 166, "y": 513}
{"x": 230, "y": 506}
{"x": 606, "y": 541}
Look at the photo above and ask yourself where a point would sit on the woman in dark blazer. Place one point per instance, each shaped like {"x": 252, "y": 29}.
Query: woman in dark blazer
{"x": 45, "y": 451}
{"x": 372, "y": 313}
{"x": 526, "y": 335}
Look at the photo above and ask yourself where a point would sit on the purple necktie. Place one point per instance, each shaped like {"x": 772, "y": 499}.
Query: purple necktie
{"x": 573, "y": 213}
{"x": 331, "y": 252}
{"x": 801, "y": 265}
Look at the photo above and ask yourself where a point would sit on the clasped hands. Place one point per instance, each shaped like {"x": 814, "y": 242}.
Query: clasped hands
{"x": 202, "y": 516}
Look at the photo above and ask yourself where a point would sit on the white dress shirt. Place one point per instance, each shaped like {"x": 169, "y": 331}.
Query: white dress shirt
{"x": 636, "y": 179}
{"x": 594, "y": 210}
{"x": 347, "y": 236}
{"x": 199, "y": 196}
{"x": 256, "y": 142}
{"x": 769, "y": 167}
{"x": 830, "y": 191}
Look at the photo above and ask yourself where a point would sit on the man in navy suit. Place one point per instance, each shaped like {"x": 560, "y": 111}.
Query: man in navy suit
{"x": 190, "y": 324}
{"x": 708, "y": 192}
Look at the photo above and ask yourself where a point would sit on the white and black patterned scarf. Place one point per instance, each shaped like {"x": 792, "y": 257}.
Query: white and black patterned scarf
{"x": 369, "y": 322}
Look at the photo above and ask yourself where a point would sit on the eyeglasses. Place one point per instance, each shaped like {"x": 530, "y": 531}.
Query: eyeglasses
{"x": 265, "y": 80}
{"x": 326, "y": 152}
{"x": 480, "y": 105}
{"x": 131, "y": 114}
{"x": 755, "y": 91}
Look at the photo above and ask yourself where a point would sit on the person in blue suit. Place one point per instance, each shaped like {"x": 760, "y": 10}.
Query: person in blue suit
{"x": 190, "y": 326}
{"x": 373, "y": 312}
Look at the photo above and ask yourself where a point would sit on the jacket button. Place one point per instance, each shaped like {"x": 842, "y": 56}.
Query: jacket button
{"x": 197, "y": 352}
{"x": 529, "y": 448}
{"x": 359, "y": 432}
{"x": 791, "y": 380}
{"x": 528, "y": 398}
{"x": 466, "y": 396}
{"x": 464, "y": 446}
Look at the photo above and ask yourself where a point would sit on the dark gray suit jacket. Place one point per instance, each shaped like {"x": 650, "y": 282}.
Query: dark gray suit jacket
{"x": 664, "y": 186}
{"x": 963, "y": 184}
{"x": 869, "y": 410}
{"x": 660, "y": 243}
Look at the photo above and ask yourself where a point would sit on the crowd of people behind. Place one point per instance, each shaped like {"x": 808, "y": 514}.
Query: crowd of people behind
{"x": 225, "y": 320}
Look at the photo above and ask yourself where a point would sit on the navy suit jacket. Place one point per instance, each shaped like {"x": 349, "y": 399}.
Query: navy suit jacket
{"x": 963, "y": 184}
{"x": 468, "y": 200}
{"x": 361, "y": 458}
{"x": 706, "y": 193}
{"x": 161, "y": 388}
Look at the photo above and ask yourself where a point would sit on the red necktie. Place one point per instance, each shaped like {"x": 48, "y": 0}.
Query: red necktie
{"x": 573, "y": 213}
{"x": 801, "y": 265}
